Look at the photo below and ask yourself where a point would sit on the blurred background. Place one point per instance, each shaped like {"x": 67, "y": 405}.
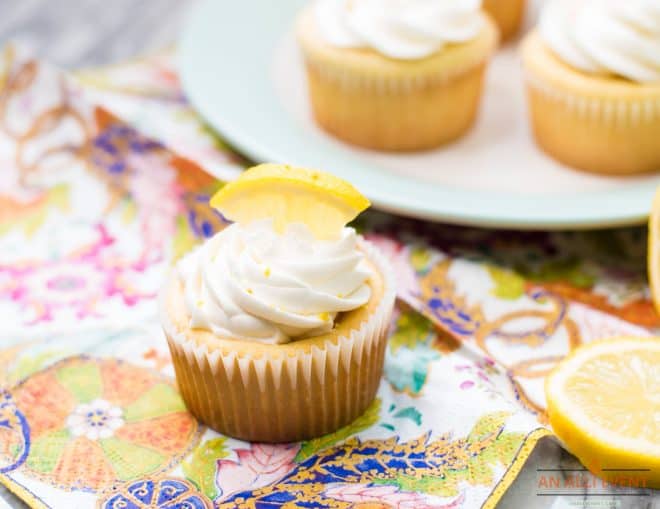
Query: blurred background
{"x": 83, "y": 33}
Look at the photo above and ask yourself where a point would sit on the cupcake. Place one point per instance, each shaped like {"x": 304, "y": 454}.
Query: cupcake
{"x": 277, "y": 325}
{"x": 593, "y": 80}
{"x": 508, "y": 14}
{"x": 395, "y": 75}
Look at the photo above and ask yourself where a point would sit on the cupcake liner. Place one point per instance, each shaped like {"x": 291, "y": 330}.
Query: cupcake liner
{"x": 388, "y": 84}
{"x": 271, "y": 396}
{"x": 379, "y": 116}
{"x": 591, "y": 123}
{"x": 611, "y": 111}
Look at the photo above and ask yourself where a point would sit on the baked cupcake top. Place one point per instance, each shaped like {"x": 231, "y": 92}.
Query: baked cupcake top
{"x": 605, "y": 37}
{"x": 280, "y": 272}
{"x": 399, "y": 29}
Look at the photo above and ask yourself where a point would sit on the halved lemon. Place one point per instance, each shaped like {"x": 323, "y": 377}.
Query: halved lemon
{"x": 288, "y": 194}
{"x": 653, "y": 257}
{"x": 604, "y": 404}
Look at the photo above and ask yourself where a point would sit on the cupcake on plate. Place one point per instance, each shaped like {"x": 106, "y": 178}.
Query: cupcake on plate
{"x": 396, "y": 75}
{"x": 278, "y": 324}
{"x": 508, "y": 14}
{"x": 593, "y": 79}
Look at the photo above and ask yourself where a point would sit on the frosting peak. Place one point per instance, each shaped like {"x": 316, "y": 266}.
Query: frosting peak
{"x": 606, "y": 37}
{"x": 250, "y": 283}
{"x": 401, "y": 29}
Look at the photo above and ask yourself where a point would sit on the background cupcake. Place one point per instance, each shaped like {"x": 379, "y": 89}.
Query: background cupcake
{"x": 508, "y": 14}
{"x": 394, "y": 75}
{"x": 278, "y": 324}
{"x": 593, "y": 76}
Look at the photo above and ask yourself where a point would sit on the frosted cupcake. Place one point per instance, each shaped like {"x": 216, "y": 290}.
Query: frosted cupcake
{"x": 278, "y": 324}
{"x": 396, "y": 74}
{"x": 508, "y": 14}
{"x": 593, "y": 76}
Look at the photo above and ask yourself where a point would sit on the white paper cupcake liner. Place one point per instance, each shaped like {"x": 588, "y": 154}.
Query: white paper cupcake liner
{"x": 270, "y": 397}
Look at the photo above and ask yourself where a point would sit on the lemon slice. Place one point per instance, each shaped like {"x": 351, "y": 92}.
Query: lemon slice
{"x": 287, "y": 194}
{"x": 604, "y": 404}
{"x": 653, "y": 257}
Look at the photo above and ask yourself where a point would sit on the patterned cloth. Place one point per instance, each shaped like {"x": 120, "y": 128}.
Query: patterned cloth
{"x": 93, "y": 211}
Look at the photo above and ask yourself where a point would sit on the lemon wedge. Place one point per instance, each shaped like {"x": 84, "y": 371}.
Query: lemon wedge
{"x": 604, "y": 404}
{"x": 287, "y": 194}
{"x": 653, "y": 257}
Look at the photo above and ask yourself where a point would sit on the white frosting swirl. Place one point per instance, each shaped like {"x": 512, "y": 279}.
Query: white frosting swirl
{"x": 401, "y": 29}
{"x": 606, "y": 37}
{"x": 251, "y": 283}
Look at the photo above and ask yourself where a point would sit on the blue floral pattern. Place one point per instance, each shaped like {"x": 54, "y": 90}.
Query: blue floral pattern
{"x": 157, "y": 494}
{"x": 15, "y": 446}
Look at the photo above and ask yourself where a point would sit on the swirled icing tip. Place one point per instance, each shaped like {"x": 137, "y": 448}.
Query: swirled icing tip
{"x": 250, "y": 282}
{"x": 605, "y": 37}
{"x": 399, "y": 29}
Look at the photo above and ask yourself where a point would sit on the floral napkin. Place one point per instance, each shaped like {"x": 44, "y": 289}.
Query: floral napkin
{"x": 105, "y": 180}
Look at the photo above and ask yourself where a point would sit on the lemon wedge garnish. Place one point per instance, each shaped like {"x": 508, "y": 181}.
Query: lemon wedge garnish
{"x": 604, "y": 404}
{"x": 287, "y": 194}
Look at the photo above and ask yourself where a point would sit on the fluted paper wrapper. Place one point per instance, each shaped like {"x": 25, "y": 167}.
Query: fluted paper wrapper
{"x": 375, "y": 117}
{"x": 269, "y": 398}
{"x": 613, "y": 131}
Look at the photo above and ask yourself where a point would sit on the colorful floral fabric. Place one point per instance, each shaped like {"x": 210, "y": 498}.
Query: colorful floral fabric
{"x": 160, "y": 494}
{"x": 125, "y": 421}
{"x": 94, "y": 210}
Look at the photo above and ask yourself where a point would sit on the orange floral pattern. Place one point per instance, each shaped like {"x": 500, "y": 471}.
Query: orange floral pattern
{"x": 96, "y": 422}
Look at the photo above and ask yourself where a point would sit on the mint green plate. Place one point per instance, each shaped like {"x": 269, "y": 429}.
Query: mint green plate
{"x": 241, "y": 69}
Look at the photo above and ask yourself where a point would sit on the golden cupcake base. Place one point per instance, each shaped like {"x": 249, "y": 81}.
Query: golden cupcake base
{"x": 424, "y": 119}
{"x": 508, "y": 14}
{"x": 282, "y": 393}
{"x": 598, "y": 124}
{"x": 372, "y": 101}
